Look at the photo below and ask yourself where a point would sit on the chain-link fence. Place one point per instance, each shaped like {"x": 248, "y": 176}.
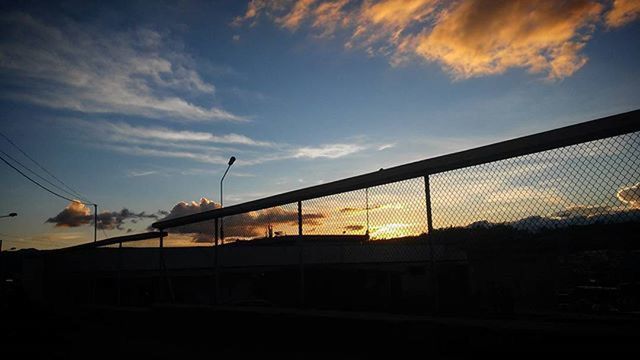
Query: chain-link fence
{"x": 542, "y": 223}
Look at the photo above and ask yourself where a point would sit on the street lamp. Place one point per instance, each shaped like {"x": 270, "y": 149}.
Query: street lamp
{"x": 231, "y": 161}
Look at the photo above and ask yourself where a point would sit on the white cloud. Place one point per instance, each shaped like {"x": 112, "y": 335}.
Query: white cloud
{"x": 199, "y": 146}
{"x": 137, "y": 173}
{"x": 91, "y": 70}
{"x": 213, "y": 155}
{"x": 331, "y": 151}
{"x": 150, "y": 152}
{"x": 386, "y": 146}
{"x": 128, "y": 133}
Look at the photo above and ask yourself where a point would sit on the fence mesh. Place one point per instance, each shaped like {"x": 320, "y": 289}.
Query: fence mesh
{"x": 575, "y": 185}
{"x": 261, "y": 224}
{"x": 339, "y": 214}
{"x": 553, "y": 230}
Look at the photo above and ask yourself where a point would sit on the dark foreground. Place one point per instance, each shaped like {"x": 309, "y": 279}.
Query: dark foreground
{"x": 187, "y": 332}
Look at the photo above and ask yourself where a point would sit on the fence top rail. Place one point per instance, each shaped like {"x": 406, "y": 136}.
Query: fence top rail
{"x": 602, "y": 128}
{"x": 119, "y": 239}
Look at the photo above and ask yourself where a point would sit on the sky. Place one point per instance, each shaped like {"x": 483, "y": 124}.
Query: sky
{"x": 137, "y": 106}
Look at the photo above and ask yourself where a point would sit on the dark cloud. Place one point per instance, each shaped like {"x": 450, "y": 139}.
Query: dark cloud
{"x": 353, "y": 227}
{"x": 245, "y": 225}
{"x": 74, "y": 215}
{"x": 576, "y": 215}
{"x": 77, "y": 214}
{"x": 358, "y": 209}
{"x": 582, "y": 211}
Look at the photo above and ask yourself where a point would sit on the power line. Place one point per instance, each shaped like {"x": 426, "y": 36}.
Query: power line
{"x": 39, "y": 176}
{"x": 84, "y": 199}
{"x": 74, "y": 193}
{"x": 42, "y": 186}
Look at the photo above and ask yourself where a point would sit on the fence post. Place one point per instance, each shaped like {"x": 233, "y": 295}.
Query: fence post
{"x": 430, "y": 234}
{"x": 222, "y": 231}
{"x": 215, "y": 262}
{"x": 366, "y": 196}
{"x": 163, "y": 268}
{"x": 301, "y": 295}
{"x": 94, "y": 275}
{"x": 119, "y": 294}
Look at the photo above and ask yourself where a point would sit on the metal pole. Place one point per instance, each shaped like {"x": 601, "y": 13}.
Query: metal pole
{"x": 222, "y": 201}
{"x": 367, "y": 201}
{"x": 95, "y": 222}
{"x": 95, "y": 252}
{"x": 215, "y": 261}
{"x": 221, "y": 231}
{"x": 300, "y": 257}
{"x": 163, "y": 268}
{"x": 427, "y": 190}
{"x": 300, "y": 220}
{"x": 222, "y": 205}
{"x": 434, "y": 273}
{"x": 161, "y": 259}
{"x": 119, "y": 297}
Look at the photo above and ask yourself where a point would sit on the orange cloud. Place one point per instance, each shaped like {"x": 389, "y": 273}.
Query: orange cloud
{"x": 468, "y": 38}
{"x": 397, "y": 13}
{"x": 630, "y": 195}
{"x": 485, "y": 37}
{"x": 300, "y": 11}
{"x": 329, "y": 16}
{"x": 382, "y": 26}
{"x": 623, "y": 12}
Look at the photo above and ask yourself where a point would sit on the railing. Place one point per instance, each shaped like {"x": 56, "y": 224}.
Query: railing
{"x": 547, "y": 215}
{"x": 118, "y": 240}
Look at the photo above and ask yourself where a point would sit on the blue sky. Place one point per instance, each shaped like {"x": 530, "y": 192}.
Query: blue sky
{"x": 139, "y": 106}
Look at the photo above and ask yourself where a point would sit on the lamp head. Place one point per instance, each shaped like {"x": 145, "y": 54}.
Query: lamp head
{"x": 13, "y": 214}
{"x": 232, "y": 160}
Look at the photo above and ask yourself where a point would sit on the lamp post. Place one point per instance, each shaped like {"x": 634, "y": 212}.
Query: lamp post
{"x": 231, "y": 161}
